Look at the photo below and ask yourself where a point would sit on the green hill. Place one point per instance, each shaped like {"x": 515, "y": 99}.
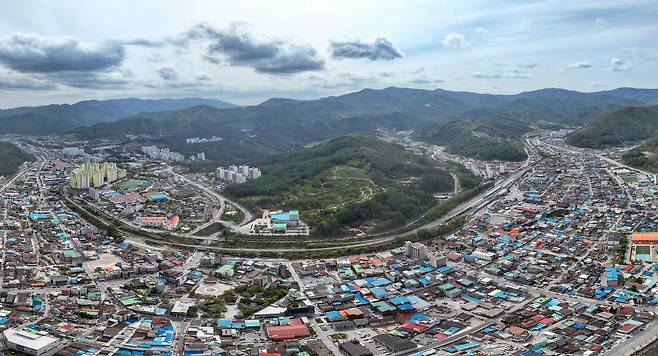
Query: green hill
{"x": 348, "y": 181}
{"x": 644, "y": 156}
{"x": 484, "y": 139}
{"x": 632, "y": 124}
{"x": 11, "y": 157}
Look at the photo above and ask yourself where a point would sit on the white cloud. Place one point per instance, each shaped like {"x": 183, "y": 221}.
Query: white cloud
{"x": 619, "y": 65}
{"x": 512, "y": 74}
{"x": 455, "y": 40}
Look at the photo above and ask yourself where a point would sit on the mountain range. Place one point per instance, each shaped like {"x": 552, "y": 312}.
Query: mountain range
{"x": 279, "y": 124}
{"x": 59, "y": 118}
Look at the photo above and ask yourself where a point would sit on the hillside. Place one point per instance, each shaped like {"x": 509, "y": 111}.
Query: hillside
{"x": 11, "y": 157}
{"x": 350, "y": 181}
{"x": 60, "y": 118}
{"x": 644, "y": 156}
{"x": 484, "y": 139}
{"x": 627, "y": 125}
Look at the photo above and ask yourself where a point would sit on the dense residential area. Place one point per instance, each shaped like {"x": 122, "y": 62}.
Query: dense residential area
{"x": 143, "y": 256}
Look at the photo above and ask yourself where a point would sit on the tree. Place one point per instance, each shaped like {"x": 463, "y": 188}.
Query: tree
{"x": 114, "y": 232}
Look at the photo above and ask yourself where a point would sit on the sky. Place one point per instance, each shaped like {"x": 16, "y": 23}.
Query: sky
{"x": 245, "y": 52}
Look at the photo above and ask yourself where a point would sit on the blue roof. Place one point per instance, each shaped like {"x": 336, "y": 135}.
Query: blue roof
{"x": 280, "y": 217}
{"x": 158, "y": 197}
{"x": 333, "y": 315}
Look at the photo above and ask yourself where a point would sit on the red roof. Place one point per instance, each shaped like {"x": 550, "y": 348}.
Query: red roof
{"x": 645, "y": 237}
{"x": 295, "y": 330}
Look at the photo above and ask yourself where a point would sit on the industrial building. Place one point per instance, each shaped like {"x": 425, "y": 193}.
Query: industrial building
{"x": 31, "y": 342}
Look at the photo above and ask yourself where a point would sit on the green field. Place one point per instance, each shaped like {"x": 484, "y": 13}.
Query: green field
{"x": 210, "y": 229}
{"x": 642, "y": 250}
{"x": 129, "y": 184}
{"x": 629, "y": 179}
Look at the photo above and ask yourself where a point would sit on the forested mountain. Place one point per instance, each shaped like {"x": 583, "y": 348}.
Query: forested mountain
{"x": 632, "y": 124}
{"x": 279, "y": 125}
{"x": 11, "y": 157}
{"x": 484, "y": 139}
{"x": 644, "y": 156}
{"x": 60, "y": 118}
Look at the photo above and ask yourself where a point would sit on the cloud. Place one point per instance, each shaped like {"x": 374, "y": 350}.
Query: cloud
{"x": 619, "y": 65}
{"x": 235, "y": 47}
{"x": 25, "y": 84}
{"x": 579, "y": 65}
{"x": 513, "y": 74}
{"x": 168, "y": 74}
{"x": 142, "y": 42}
{"x": 380, "y": 49}
{"x": 531, "y": 65}
{"x": 119, "y": 79}
{"x": 599, "y": 22}
{"x": 342, "y": 80}
{"x": 33, "y": 53}
{"x": 425, "y": 80}
{"x": 202, "y": 77}
{"x": 455, "y": 40}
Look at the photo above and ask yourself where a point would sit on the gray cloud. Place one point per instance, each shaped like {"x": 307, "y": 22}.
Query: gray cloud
{"x": 425, "y": 80}
{"x": 380, "y": 49}
{"x": 238, "y": 48}
{"x": 579, "y": 65}
{"x": 168, "y": 74}
{"x": 143, "y": 42}
{"x": 25, "y": 84}
{"x": 33, "y": 53}
{"x": 202, "y": 77}
{"x": 119, "y": 79}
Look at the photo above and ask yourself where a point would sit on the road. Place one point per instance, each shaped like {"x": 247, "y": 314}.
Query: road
{"x": 448, "y": 340}
{"x": 635, "y": 344}
{"x": 322, "y": 335}
{"x": 248, "y": 216}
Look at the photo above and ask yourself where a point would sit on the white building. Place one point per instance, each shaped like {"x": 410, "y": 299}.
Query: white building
{"x": 31, "y": 343}
{"x": 237, "y": 175}
{"x": 182, "y": 306}
{"x": 416, "y": 250}
{"x": 483, "y": 255}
